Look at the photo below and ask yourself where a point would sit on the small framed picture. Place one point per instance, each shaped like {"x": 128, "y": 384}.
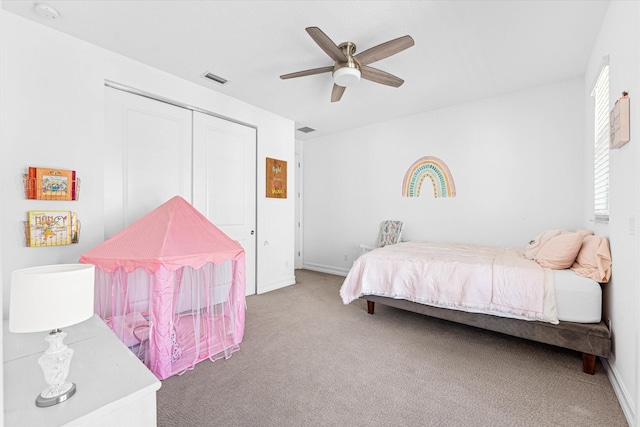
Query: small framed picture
{"x": 276, "y": 178}
{"x": 619, "y": 122}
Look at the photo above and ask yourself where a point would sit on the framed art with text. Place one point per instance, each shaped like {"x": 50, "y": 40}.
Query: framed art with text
{"x": 276, "y": 178}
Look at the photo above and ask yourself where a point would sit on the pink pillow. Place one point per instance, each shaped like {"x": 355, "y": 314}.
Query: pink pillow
{"x": 584, "y": 233}
{"x": 560, "y": 252}
{"x": 534, "y": 245}
{"x": 594, "y": 259}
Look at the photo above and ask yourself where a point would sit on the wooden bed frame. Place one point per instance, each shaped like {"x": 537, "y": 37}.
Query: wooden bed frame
{"x": 592, "y": 339}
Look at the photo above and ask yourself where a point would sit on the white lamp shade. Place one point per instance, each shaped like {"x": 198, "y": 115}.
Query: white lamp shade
{"x": 51, "y": 297}
{"x": 346, "y": 76}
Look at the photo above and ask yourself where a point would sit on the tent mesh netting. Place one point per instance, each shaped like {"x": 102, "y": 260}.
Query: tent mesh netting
{"x": 171, "y": 286}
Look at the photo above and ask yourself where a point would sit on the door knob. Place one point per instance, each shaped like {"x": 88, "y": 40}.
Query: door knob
{"x": 252, "y": 232}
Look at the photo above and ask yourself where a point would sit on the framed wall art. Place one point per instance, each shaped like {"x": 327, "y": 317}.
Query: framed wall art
{"x": 276, "y": 178}
{"x": 619, "y": 122}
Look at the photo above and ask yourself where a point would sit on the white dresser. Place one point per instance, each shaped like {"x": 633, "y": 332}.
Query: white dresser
{"x": 113, "y": 387}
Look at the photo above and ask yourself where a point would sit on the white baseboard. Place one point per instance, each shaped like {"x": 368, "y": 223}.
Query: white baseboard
{"x": 621, "y": 392}
{"x": 277, "y": 284}
{"x": 325, "y": 269}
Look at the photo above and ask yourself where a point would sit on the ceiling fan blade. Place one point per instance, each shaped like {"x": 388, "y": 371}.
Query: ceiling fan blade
{"x": 326, "y": 44}
{"x": 337, "y": 92}
{"x": 384, "y": 50}
{"x": 307, "y": 72}
{"x": 380, "y": 76}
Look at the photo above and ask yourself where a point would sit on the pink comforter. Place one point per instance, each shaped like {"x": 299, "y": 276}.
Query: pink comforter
{"x": 472, "y": 278}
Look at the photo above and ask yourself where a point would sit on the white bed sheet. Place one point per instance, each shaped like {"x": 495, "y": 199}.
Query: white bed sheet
{"x": 578, "y": 299}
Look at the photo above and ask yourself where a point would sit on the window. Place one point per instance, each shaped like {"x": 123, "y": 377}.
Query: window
{"x": 601, "y": 153}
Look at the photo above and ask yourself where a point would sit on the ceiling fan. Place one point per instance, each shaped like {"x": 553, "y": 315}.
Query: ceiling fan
{"x": 349, "y": 68}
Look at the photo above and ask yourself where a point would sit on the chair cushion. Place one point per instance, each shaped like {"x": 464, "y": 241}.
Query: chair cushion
{"x": 390, "y": 233}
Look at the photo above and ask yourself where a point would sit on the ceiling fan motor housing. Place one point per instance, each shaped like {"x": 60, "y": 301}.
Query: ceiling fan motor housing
{"x": 347, "y": 73}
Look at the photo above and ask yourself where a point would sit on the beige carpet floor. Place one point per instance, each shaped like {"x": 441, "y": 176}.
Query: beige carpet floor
{"x": 309, "y": 360}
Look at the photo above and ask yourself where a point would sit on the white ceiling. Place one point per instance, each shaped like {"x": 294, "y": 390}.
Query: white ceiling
{"x": 464, "y": 50}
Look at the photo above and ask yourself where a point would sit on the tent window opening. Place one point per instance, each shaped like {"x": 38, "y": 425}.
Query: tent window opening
{"x": 601, "y": 153}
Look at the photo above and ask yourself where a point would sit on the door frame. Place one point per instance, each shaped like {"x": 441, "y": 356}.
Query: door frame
{"x": 299, "y": 236}
{"x": 134, "y": 91}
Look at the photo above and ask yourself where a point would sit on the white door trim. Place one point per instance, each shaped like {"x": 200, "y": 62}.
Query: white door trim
{"x": 134, "y": 91}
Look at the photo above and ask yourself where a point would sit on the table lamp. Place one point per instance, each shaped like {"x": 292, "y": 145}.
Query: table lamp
{"x": 48, "y": 298}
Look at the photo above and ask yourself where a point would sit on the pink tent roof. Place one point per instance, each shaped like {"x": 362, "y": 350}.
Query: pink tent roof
{"x": 173, "y": 235}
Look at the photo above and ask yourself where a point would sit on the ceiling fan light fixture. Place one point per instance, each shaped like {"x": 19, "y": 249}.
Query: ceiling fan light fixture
{"x": 346, "y": 76}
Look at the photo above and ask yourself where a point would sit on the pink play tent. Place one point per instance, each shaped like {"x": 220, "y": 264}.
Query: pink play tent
{"x": 172, "y": 288}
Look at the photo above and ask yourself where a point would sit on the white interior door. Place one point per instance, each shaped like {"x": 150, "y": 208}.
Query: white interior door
{"x": 224, "y": 181}
{"x": 147, "y": 157}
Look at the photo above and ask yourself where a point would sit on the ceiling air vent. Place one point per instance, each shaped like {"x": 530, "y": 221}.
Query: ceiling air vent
{"x": 306, "y": 129}
{"x": 215, "y": 78}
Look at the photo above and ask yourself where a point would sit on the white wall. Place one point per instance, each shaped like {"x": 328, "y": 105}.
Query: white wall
{"x": 516, "y": 160}
{"x": 619, "y": 39}
{"x": 53, "y": 114}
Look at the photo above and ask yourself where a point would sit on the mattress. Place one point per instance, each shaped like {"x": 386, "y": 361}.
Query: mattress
{"x": 578, "y": 299}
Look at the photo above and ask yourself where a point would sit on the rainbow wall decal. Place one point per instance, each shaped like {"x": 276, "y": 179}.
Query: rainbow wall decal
{"x": 438, "y": 173}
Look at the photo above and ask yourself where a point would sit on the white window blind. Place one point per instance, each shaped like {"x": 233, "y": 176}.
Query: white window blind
{"x": 601, "y": 154}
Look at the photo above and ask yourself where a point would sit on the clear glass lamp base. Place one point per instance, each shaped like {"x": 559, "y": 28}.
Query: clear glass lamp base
{"x": 57, "y": 396}
{"x": 55, "y": 364}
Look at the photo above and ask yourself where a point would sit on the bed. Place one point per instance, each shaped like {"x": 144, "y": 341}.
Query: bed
{"x": 508, "y": 290}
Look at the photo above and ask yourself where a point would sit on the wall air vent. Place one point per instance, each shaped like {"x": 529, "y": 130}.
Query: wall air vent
{"x": 306, "y": 129}
{"x": 215, "y": 78}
